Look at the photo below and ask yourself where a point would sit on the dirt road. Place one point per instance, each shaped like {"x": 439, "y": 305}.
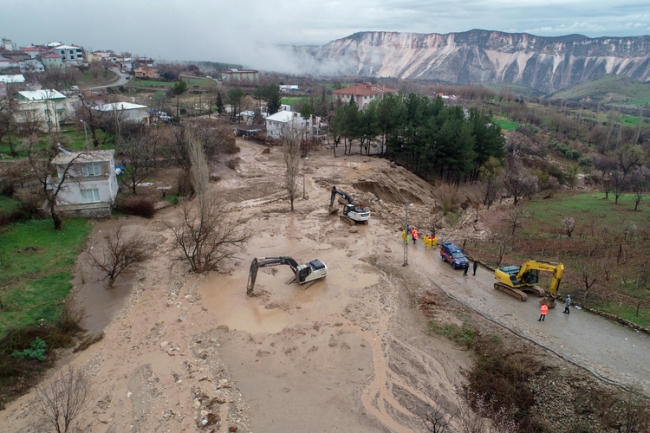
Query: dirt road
{"x": 351, "y": 353}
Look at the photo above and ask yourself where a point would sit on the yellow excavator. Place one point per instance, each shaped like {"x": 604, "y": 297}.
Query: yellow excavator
{"x": 515, "y": 280}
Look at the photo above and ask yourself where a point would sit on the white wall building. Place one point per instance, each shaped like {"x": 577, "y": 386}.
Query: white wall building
{"x": 276, "y": 123}
{"x": 47, "y": 107}
{"x": 70, "y": 53}
{"x": 90, "y": 186}
{"x": 128, "y": 112}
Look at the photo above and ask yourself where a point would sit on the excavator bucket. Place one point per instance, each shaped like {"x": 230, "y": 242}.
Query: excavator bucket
{"x": 548, "y": 301}
{"x": 332, "y": 209}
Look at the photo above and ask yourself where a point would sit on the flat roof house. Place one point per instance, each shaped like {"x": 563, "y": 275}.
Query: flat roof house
{"x": 46, "y": 107}
{"x": 90, "y": 186}
{"x": 127, "y": 111}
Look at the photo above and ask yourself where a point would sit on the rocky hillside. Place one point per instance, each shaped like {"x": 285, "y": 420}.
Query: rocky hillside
{"x": 481, "y": 56}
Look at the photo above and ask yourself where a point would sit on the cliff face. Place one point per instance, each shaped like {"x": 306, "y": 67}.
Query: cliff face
{"x": 480, "y": 56}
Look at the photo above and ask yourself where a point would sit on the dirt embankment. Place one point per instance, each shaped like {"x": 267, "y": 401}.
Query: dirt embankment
{"x": 351, "y": 353}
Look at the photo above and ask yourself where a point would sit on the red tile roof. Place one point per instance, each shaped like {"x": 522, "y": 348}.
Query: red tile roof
{"x": 52, "y": 56}
{"x": 364, "y": 90}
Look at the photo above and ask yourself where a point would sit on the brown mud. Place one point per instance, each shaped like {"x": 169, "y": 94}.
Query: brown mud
{"x": 183, "y": 352}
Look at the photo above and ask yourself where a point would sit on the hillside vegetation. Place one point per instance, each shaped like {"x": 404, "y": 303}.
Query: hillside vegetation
{"x": 606, "y": 88}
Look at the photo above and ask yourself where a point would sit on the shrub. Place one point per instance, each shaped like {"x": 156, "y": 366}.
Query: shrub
{"x": 35, "y": 351}
{"x": 138, "y": 206}
{"x": 465, "y": 336}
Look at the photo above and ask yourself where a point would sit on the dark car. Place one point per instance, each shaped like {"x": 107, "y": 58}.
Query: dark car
{"x": 452, "y": 254}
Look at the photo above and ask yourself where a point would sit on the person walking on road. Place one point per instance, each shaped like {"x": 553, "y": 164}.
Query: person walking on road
{"x": 543, "y": 310}
{"x": 474, "y": 266}
{"x": 567, "y": 304}
{"x": 465, "y": 271}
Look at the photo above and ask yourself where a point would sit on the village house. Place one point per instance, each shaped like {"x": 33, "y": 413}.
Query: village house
{"x": 33, "y": 52}
{"x": 126, "y": 111}
{"x": 243, "y": 77}
{"x": 145, "y": 72}
{"x": 52, "y": 60}
{"x": 31, "y": 65}
{"x": 46, "y": 107}
{"x": 362, "y": 93}
{"x": 12, "y": 79}
{"x": 90, "y": 186}
{"x": 70, "y": 53}
{"x": 277, "y": 123}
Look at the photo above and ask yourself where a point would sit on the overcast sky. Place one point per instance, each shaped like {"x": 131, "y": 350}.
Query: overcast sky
{"x": 233, "y": 31}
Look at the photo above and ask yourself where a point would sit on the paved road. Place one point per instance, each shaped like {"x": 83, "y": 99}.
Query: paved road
{"x": 120, "y": 82}
{"x": 611, "y": 350}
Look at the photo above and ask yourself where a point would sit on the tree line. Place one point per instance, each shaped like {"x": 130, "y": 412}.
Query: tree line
{"x": 425, "y": 135}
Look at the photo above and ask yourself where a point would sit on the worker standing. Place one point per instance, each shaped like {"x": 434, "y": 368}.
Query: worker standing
{"x": 427, "y": 241}
{"x": 414, "y": 232}
{"x": 474, "y": 266}
{"x": 543, "y": 310}
{"x": 434, "y": 241}
{"x": 567, "y": 304}
{"x": 404, "y": 235}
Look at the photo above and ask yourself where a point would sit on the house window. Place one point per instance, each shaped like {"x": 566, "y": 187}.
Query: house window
{"x": 89, "y": 195}
{"x": 92, "y": 169}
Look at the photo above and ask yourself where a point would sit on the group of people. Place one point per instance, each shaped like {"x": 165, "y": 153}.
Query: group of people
{"x": 412, "y": 235}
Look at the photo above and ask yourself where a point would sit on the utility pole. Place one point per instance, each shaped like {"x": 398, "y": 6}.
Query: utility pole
{"x": 304, "y": 168}
{"x": 406, "y": 231}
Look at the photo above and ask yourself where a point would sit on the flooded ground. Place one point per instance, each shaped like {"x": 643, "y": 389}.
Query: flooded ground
{"x": 351, "y": 353}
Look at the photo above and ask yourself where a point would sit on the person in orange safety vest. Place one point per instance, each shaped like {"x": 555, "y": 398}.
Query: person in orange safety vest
{"x": 543, "y": 310}
{"x": 414, "y": 233}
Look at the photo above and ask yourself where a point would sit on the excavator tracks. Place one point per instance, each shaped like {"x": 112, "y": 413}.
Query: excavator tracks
{"x": 515, "y": 293}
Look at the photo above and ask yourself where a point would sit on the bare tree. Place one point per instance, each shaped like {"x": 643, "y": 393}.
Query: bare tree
{"x": 569, "y": 225}
{"x": 207, "y": 235}
{"x": 41, "y": 161}
{"x": 121, "y": 252}
{"x": 619, "y": 183}
{"x": 138, "y": 156}
{"x": 514, "y": 219}
{"x": 519, "y": 181}
{"x": 639, "y": 184}
{"x": 502, "y": 242}
{"x": 200, "y": 170}
{"x": 436, "y": 420}
{"x": 63, "y": 398}
{"x": 491, "y": 186}
{"x": 588, "y": 280}
{"x": 291, "y": 149}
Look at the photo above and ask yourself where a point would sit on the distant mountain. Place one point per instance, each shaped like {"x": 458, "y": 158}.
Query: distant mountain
{"x": 480, "y": 56}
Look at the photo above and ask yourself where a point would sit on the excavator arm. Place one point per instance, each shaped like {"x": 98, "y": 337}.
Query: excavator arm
{"x": 556, "y": 268}
{"x": 342, "y": 194}
{"x": 263, "y": 262}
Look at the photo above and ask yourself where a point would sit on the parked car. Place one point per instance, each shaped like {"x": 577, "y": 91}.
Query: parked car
{"x": 452, "y": 254}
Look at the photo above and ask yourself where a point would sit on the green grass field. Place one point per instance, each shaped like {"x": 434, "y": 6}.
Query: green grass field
{"x": 607, "y": 243}
{"x": 35, "y": 270}
{"x": 104, "y": 78}
{"x": 640, "y": 102}
{"x": 7, "y": 204}
{"x": 191, "y": 82}
{"x": 506, "y": 125}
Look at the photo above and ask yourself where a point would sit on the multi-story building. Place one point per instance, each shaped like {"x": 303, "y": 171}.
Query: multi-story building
{"x": 362, "y": 93}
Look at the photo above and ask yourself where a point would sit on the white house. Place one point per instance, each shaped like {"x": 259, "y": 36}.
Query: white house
{"x": 12, "y": 79}
{"x": 278, "y": 122}
{"x": 70, "y": 53}
{"x": 90, "y": 186}
{"x": 128, "y": 112}
{"x": 47, "y": 107}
